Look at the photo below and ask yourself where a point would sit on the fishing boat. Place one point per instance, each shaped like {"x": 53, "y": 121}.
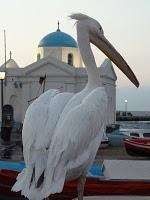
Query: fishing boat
{"x": 117, "y": 137}
{"x": 95, "y": 185}
{"x": 137, "y": 147}
{"x": 105, "y": 141}
{"x": 12, "y": 166}
{"x": 136, "y": 133}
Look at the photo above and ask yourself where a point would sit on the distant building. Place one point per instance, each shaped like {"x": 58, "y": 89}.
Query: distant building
{"x": 133, "y": 116}
{"x": 57, "y": 57}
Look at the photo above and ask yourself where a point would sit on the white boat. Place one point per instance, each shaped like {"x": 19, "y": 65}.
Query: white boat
{"x": 105, "y": 141}
{"x": 116, "y": 138}
{"x": 136, "y": 133}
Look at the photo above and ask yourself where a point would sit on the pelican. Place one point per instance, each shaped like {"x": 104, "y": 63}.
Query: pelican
{"x": 62, "y": 131}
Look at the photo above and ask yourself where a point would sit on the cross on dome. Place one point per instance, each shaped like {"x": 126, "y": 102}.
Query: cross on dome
{"x": 58, "y": 26}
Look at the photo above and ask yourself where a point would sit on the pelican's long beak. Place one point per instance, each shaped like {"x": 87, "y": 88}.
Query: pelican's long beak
{"x": 106, "y": 47}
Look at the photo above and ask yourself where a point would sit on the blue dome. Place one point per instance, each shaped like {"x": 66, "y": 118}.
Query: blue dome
{"x": 58, "y": 39}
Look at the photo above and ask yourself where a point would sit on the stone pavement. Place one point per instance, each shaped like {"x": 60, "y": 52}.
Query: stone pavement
{"x": 11, "y": 152}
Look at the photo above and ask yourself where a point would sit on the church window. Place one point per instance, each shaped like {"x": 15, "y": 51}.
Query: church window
{"x": 70, "y": 59}
{"x": 38, "y": 56}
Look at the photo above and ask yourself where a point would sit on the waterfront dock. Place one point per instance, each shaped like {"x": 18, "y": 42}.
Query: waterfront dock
{"x": 114, "y": 153}
{"x": 13, "y": 152}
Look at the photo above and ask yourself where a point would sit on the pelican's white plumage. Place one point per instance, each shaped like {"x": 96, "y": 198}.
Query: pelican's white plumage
{"x": 62, "y": 131}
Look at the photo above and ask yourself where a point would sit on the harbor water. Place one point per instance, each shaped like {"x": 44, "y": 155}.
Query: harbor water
{"x": 134, "y": 124}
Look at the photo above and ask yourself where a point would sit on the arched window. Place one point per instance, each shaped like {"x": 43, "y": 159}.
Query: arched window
{"x": 38, "y": 56}
{"x": 70, "y": 59}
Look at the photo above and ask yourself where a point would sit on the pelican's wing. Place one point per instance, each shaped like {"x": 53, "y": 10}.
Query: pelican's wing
{"x": 36, "y": 118}
{"x": 33, "y": 126}
{"x": 39, "y": 125}
{"x": 76, "y": 140}
{"x": 41, "y": 119}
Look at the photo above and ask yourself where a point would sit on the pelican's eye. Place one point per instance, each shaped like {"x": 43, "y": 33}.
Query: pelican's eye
{"x": 101, "y": 30}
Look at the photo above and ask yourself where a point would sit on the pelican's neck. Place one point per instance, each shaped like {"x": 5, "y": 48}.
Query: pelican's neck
{"x": 88, "y": 59}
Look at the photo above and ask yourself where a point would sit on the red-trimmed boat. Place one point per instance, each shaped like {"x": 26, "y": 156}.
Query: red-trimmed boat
{"x": 137, "y": 147}
{"x": 94, "y": 187}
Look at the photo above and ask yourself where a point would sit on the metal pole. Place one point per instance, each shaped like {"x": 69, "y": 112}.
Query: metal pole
{"x": 5, "y": 81}
{"x": 1, "y": 104}
{"x": 126, "y": 107}
{"x": 5, "y": 49}
{"x": 2, "y": 99}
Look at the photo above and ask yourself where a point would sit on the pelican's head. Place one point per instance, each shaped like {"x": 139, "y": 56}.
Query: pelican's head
{"x": 96, "y": 37}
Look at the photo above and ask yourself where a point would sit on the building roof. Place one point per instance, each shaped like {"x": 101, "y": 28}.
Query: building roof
{"x": 10, "y": 64}
{"x": 107, "y": 70}
{"x": 58, "y": 39}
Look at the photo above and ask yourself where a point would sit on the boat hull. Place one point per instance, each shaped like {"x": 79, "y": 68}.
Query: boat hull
{"x": 137, "y": 147}
{"x": 93, "y": 187}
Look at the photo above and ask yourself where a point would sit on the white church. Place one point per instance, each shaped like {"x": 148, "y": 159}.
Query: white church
{"x": 57, "y": 64}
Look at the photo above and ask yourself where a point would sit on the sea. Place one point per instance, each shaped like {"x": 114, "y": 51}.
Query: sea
{"x": 134, "y": 124}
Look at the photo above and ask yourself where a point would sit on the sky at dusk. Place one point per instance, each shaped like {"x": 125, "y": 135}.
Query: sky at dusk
{"x": 126, "y": 24}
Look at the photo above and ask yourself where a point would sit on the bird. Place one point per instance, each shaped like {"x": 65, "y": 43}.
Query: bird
{"x": 62, "y": 131}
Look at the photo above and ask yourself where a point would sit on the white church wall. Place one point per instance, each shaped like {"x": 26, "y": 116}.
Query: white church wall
{"x": 80, "y": 84}
{"x": 69, "y": 86}
{"x": 111, "y": 109}
{"x": 26, "y": 96}
{"x": 77, "y": 61}
{"x": 13, "y": 96}
{"x": 60, "y": 53}
{"x": 38, "y": 51}
{"x": 55, "y": 52}
{"x": 21, "y": 98}
{"x": 15, "y": 101}
{"x": 58, "y": 76}
{"x": 49, "y": 70}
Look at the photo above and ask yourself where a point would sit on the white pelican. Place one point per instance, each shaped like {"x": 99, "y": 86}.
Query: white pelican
{"x": 62, "y": 131}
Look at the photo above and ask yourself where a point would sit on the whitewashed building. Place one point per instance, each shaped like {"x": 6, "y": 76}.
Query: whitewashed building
{"x": 57, "y": 57}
